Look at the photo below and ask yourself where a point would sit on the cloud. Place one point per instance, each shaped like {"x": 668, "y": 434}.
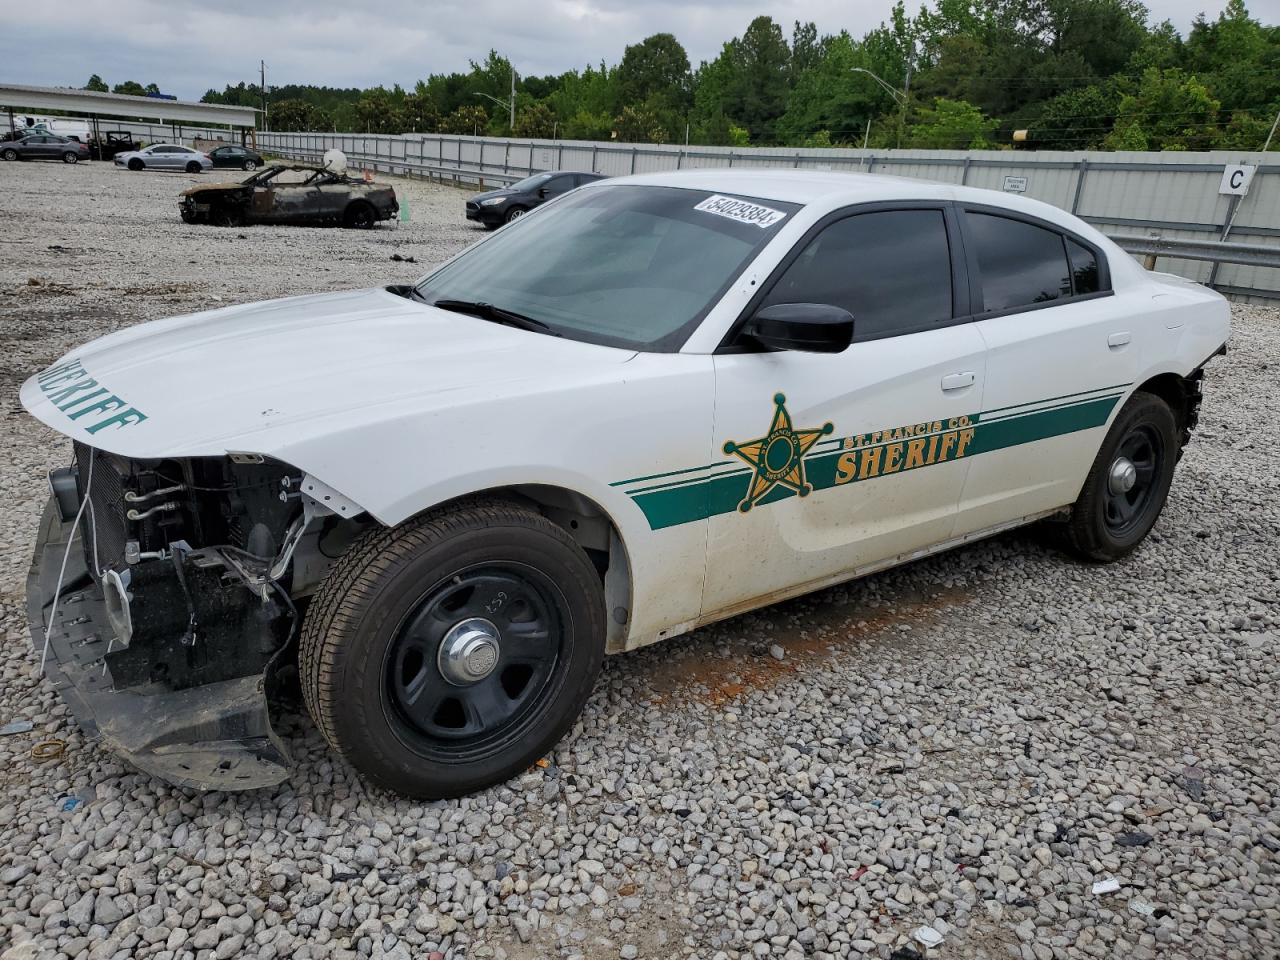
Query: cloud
{"x": 187, "y": 48}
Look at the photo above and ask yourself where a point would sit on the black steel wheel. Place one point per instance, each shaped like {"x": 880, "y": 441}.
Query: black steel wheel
{"x": 193, "y": 167}
{"x": 135, "y": 164}
{"x": 449, "y": 653}
{"x": 469, "y": 664}
{"x": 71, "y": 157}
{"x": 1129, "y": 481}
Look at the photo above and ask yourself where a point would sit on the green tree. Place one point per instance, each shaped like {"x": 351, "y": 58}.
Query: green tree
{"x": 292, "y": 115}
{"x": 1076, "y": 120}
{"x": 466, "y": 120}
{"x": 655, "y": 71}
{"x": 1172, "y": 108}
{"x": 585, "y": 125}
{"x": 639, "y": 125}
{"x": 96, "y": 84}
{"x": 130, "y": 87}
{"x": 537, "y": 121}
{"x": 951, "y": 125}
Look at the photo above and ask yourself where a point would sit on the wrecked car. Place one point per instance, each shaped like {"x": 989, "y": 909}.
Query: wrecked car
{"x": 291, "y": 193}
{"x": 648, "y": 405}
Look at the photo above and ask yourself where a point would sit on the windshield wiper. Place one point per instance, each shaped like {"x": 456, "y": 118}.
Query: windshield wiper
{"x": 487, "y": 311}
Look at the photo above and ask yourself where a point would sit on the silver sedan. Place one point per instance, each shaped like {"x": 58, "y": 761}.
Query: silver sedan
{"x": 165, "y": 156}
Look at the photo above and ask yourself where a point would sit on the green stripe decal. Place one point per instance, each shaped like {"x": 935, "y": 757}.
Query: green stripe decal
{"x": 684, "y": 501}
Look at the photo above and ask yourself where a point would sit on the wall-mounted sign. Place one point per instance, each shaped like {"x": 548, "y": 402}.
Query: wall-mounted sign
{"x": 1236, "y": 178}
{"x": 1015, "y": 184}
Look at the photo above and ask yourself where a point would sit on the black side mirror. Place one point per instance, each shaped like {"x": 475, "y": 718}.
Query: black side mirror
{"x": 542, "y": 192}
{"x": 811, "y": 327}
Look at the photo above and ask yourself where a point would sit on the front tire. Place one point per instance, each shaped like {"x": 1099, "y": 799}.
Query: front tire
{"x": 70, "y": 157}
{"x": 447, "y": 654}
{"x": 1128, "y": 484}
{"x": 136, "y": 164}
{"x": 359, "y": 216}
{"x": 515, "y": 213}
{"x": 250, "y": 165}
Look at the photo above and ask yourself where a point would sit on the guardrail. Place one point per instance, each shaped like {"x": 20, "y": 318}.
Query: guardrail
{"x": 403, "y": 165}
{"x": 1214, "y": 251}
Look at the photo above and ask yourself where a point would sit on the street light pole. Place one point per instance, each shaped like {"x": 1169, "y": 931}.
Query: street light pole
{"x": 513, "y": 100}
{"x": 899, "y": 96}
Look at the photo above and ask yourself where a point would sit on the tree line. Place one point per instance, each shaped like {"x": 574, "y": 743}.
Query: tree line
{"x": 1073, "y": 74}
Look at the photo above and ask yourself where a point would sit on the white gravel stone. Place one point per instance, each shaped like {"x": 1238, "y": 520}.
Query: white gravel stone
{"x": 974, "y": 774}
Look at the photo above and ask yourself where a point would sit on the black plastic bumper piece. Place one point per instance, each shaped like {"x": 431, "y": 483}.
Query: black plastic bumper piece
{"x": 216, "y": 736}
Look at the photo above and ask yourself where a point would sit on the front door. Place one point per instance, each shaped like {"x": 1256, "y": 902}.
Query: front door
{"x": 827, "y": 464}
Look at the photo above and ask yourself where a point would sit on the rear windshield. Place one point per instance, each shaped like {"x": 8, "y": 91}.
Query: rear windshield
{"x": 624, "y": 265}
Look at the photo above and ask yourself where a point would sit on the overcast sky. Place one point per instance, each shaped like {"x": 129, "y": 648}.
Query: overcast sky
{"x": 187, "y": 48}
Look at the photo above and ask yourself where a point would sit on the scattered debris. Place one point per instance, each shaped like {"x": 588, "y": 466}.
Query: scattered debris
{"x": 16, "y": 726}
{"x": 1192, "y": 781}
{"x": 48, "y": 750}
{"x": 1134, "y": 838}
{"x": 1106, "y": 885}
{"x": 542, "y": 763}
{"x": 400, "y": 259}
{"x": 1141, "y": 907}
{"x": 928, "y": 936}
{"x": 906, "y": 953}
{"x": 859, "y": 873}
{"x": 1157, "y": 811}
{"x": 777, "y": 652}
{"x": 67, "y": 804}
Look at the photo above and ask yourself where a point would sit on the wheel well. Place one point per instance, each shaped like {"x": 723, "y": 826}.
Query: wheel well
{"x": 1182, "y": 394}
{"x": 593, "y": 530}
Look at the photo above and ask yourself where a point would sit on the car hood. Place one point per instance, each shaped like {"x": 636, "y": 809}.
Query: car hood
{"x": 286, "y": 375}
{"x": 490, "y": 194}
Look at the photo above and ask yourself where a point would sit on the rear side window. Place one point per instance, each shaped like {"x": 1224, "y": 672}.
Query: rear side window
{"x": 891, "y": 269}
{"x": 1084, "y": 268}
{"x": 1021, "y": 264}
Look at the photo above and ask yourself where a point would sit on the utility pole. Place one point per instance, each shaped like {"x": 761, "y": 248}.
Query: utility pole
{"x": 262, "y": 88}
{"x": 906, "y": 94}
{"x": 513, "y": 100}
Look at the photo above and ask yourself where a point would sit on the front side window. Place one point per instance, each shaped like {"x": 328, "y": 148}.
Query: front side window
{"x": 1021, "y": 264}
{"x": 531, "y": 183}
{"x": 891, "y": 269}
{"x": 623, "y": 265}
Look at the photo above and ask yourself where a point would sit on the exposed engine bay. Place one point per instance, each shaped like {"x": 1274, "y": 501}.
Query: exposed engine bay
{"x": 179, "y": 590}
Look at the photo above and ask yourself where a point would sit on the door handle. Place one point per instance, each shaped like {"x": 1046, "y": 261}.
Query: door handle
{"x": 1119, "y": 339}
{"x": 958, "y": 381}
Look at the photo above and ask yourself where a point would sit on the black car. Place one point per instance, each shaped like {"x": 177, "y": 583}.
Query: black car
{"x": 497, "y": 207}
{"x": 241, "y": 158}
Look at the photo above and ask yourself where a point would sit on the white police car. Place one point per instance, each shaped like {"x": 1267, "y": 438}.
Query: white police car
{"x": 648, "y": 405}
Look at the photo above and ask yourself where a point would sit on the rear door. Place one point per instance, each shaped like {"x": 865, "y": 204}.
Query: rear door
{"x": 1062, "y": 351}
{"x": 825, "y": 464}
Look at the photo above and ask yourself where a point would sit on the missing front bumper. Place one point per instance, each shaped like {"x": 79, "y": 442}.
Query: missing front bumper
{"x": 215, "y": 736}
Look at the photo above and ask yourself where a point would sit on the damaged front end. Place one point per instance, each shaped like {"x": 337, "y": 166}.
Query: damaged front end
{"x": 176, "y": 606}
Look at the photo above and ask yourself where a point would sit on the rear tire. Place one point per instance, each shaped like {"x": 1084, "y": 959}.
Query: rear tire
{"x": 359, "y": 216}
{"x": 70, "y": 157}
{"x": 1128, "y": 484}
{"x": 136, "y": 164}
{"x": 377, "y": 674}
{"x": 193, "y": 167}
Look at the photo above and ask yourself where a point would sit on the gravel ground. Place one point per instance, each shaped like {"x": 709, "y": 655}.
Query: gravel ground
{"x": 969, "y": 743}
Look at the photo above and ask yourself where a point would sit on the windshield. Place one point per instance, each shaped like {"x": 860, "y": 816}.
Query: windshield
{"x": 530, "y": 183}
{"x": 623, "y": 265}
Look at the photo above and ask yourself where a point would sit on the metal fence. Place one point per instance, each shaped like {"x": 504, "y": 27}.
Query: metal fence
{"x": 1173, "y": 195}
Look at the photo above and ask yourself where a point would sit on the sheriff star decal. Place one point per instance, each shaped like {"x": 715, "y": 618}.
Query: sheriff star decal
{"x": 777, "y": 458}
